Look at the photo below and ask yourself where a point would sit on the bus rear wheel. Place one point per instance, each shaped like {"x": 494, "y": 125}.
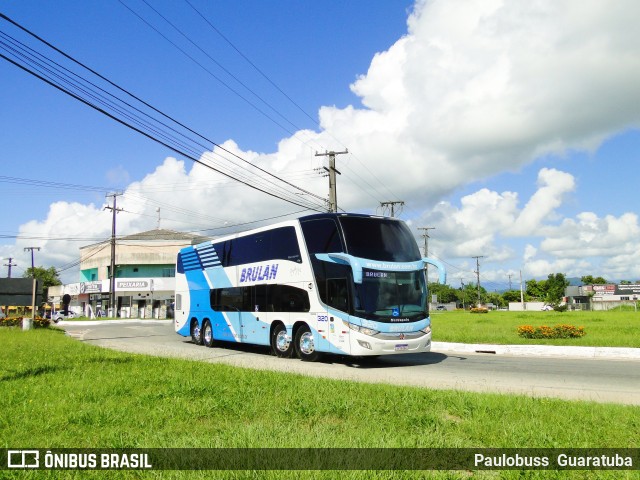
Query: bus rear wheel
{"x": 281, "y": 345}
{"x": 305, "y": 345}
{"x": 207, "y": 334}
{"x": 196, "y": 334}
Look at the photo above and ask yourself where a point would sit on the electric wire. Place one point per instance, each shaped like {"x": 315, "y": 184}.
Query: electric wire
{"x": 265, "y": 76}
{"x": 356, "y": 178}
{"x": 165, "y": 141}
{"x": 219, "y": 80}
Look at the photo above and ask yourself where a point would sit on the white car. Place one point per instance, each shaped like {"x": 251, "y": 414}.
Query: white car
{"x": 61, "y": 316}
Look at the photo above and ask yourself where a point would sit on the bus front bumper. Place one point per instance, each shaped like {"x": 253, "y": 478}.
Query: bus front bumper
{"x": 365, "y": 345}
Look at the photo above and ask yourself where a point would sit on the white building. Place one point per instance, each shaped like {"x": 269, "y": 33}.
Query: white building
{"x": 144, "y": 281}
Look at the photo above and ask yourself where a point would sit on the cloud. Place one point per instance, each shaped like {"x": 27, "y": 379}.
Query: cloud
{"x": 486, "y": 223}
{"x": 552, "y": 187}
{"x": 477, "y": 88}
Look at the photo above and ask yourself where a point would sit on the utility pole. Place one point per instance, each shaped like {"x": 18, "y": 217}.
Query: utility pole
{"x": 462, "y": 291}
{"x": 510, "y": 275}
{"x": 392, "y": 205}
{"x": 10, "y": 264}
{"x": 478, "y": 257}
{"x": 112, "y": 273}
{"x": 32, "y": 249}
{"x": 333, "y": 195}
{"x": 524, "y": 307}
{"x": 28, "y": 325}
{"x": 426, "y": 248}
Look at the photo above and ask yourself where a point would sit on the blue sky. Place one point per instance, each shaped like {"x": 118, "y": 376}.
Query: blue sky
{"x": 510, "y": 128}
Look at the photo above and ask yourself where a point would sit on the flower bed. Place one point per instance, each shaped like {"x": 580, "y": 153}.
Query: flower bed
{"x": 558, "y": 331}
{"x": 39, "y": 322}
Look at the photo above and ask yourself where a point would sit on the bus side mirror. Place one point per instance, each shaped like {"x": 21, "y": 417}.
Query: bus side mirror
{"x": 441, "y": 270}
{"x": 343, "y": 259}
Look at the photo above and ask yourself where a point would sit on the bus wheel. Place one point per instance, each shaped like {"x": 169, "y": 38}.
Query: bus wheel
{"x": 207, "y": 334}
{"x": 281, "y": 345}
{"x": 305, "y": 345}
{"x": 196, "y": 334}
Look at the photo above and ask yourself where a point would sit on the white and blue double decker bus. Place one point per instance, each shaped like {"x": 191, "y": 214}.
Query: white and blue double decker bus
{"x": 345, "y": 284}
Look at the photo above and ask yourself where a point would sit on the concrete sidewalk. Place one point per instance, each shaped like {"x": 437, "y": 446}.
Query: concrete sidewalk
{"x": 540, "y": 350}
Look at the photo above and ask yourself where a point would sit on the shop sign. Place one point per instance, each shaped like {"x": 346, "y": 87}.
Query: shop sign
{"x": 132, "y": 285}
{"x": 90, "y": 287}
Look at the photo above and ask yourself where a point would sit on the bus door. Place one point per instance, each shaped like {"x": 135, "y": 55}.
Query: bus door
{"x": 338, "y": 298}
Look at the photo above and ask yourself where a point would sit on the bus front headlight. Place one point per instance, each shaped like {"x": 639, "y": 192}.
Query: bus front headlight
{"x": 426, "y": 330}
{"x": 364, "y": 330}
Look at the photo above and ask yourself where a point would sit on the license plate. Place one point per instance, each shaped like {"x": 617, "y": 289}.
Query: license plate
{"x": 402, "y": 346}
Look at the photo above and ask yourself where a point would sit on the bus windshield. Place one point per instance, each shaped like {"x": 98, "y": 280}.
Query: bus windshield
{"x": 391, "y": 296}
{"x": 379, "y": 239}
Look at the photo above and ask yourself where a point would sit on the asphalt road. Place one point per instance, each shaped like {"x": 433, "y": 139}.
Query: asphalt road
{"x": 595, "y": 379}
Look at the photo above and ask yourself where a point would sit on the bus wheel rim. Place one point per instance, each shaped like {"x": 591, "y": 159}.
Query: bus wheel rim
{"x": 306, "y": 343}
{"x": 282, "y": 341}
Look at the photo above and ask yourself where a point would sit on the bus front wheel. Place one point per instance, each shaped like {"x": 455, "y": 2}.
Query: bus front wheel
{"x": 305, "y": 345}
{"x": 280, "y": 342}
{"x": 196, "y": 334}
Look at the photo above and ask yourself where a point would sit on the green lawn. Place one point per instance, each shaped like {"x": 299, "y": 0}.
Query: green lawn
{"x": 56, "y": 392}
{"x": 604, "y": 329}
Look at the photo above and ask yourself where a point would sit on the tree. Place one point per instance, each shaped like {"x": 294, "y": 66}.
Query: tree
{"x": 445, "y": 293}
{"x": 497, "y": 299}
{"x": 511, "y": 296}
{"x": 537, "y": 289}
{"x": 47, "y": 277}
{"x": 591, "y": 280}
{"x": 555, "y": 286}
{"x": 469, "y": 294}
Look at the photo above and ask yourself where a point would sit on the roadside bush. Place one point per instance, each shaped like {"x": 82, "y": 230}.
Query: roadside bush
{"x": 558, "y": 331}
{"x": 479, "y": 310}
{"x": 38, "y": 322}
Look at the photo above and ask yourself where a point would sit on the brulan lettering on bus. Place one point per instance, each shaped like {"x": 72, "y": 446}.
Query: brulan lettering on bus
{"x": 261, "y": 272}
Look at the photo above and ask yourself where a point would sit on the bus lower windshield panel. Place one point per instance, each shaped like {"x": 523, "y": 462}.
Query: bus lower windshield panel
{"x": 391, "y": 297}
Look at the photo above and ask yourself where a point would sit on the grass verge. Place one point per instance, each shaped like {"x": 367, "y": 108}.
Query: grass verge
{"x": 56, "y": 392}
{"x": 604, "y": 329}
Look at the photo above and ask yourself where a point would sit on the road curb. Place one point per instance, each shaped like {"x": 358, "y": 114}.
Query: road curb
{"x": 540, "y": 350}
{"x": 88, "y": 323}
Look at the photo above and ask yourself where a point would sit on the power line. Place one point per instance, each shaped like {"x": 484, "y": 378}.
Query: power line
{"x": 264, "y": 75}
{"x": 154, "y": 130}
{"x": 357, "y": 177}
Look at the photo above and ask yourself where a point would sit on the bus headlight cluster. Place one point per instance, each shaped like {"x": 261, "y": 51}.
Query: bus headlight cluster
{"x": 426, "y": 330}
{"x": 364, "y": 330}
